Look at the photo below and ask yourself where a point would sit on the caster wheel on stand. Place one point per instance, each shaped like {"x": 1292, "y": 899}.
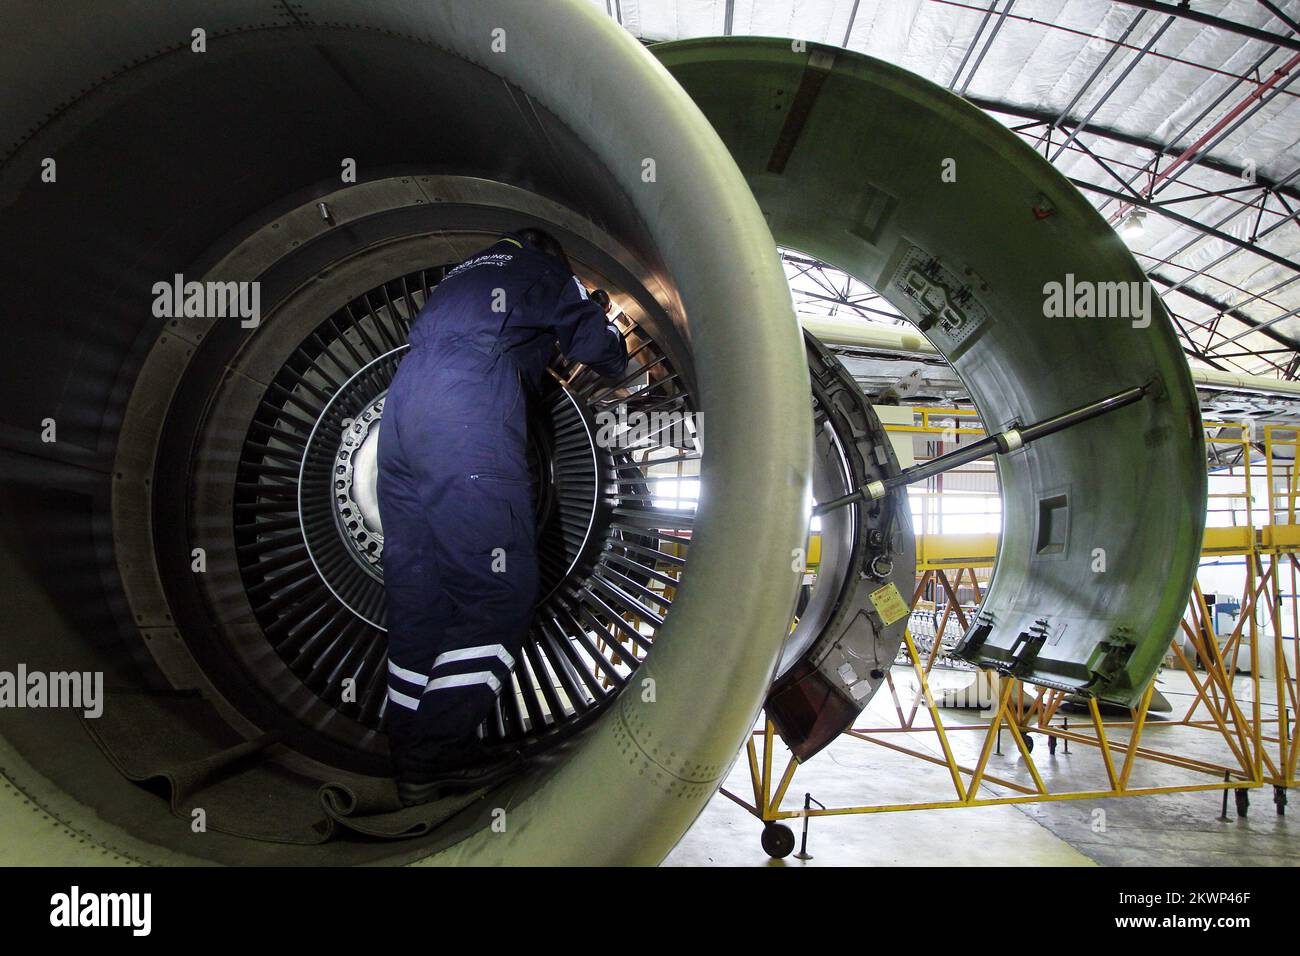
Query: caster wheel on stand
{"x": 777, "y": 840}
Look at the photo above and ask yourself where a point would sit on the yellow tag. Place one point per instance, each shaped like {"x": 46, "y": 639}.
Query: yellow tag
{"x": 890, "y": 604}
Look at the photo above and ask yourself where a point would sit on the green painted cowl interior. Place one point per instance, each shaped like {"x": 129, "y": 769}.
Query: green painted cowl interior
{"x": 175, "y": 161}
{"x": 1102, "y": 524}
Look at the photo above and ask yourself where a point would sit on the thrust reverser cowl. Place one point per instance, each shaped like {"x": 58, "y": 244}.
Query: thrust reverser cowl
{"x": 964, "y": 228}
{"x": 850, "y": 629}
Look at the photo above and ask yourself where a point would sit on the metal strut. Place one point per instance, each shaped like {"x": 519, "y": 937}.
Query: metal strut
{"x": 1000, "y": 443}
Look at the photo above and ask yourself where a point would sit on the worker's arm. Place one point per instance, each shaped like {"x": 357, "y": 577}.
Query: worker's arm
{"x": 584, "y": 333}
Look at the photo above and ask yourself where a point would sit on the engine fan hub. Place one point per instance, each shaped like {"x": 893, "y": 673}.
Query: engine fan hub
{"x": 287, "y": 623}
{"x": 356, "y": 484}
{"x": 569, "y": 475}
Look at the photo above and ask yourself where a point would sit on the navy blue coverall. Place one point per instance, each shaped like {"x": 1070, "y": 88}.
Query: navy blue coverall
{"x": 455, "y": 498}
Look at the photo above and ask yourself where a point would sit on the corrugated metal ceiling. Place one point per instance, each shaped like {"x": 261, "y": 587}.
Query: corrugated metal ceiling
{"x": 1197, "y": 122}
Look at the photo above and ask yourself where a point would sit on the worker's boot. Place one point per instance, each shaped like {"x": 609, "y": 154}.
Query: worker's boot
{"x": 459, "y": 770}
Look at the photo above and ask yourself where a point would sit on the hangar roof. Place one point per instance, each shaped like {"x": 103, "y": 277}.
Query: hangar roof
{"x": 1187, "y": 115}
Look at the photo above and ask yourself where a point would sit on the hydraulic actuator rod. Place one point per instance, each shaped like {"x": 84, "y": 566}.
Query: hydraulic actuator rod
{"x": 998, "y": 444}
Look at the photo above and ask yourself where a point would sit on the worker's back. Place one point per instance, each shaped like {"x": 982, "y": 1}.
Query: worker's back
{"x": 513, "y": 301}
{"x": 487, "y": 331}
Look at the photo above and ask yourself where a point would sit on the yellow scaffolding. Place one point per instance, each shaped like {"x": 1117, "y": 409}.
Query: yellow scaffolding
{"x": 1263, "y": 751}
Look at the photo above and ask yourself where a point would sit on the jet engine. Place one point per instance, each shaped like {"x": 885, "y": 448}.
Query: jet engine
{"x": 190, "y": 487}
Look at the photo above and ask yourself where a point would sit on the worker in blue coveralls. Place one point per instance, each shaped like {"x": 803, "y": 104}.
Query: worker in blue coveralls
{"x": 455, "y": 498}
